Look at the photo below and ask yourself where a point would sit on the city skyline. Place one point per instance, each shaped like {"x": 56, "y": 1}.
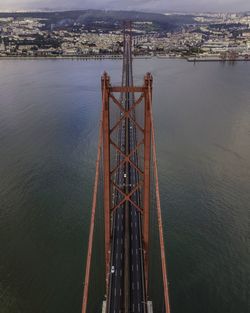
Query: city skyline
{"x": 143, "y": 5}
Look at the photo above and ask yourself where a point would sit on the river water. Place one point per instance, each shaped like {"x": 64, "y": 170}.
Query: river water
{"x": 49, "y": 112}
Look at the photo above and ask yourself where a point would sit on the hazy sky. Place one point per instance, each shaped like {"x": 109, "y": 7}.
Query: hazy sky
{"x": 149, "y": 5}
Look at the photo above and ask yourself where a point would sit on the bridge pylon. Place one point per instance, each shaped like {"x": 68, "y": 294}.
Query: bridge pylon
{"x": 142, "y": 185}
{"x": 127, "y": 143}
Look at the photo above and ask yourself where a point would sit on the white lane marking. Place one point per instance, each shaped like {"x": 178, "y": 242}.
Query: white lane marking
{"x": 139, "y": 308}
{"x": 137, "y": 267}
{"x": 137, "y": 285}
{"x": 115, "y": 292}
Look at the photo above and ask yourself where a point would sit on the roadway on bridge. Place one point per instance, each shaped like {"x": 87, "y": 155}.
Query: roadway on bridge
{"x": 127, "y": 177}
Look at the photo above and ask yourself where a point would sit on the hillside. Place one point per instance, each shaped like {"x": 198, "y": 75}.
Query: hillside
{"x": 88, "y": 17}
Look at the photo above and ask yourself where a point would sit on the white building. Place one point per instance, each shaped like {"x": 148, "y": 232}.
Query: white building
{"x": 2, "y": 47}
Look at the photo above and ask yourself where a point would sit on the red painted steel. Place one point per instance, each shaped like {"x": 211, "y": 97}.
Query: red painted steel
{"x": 108, "y": 95}
{"x": 92, "y": 222}
{"x": 147, "y": 157}
{"x": 143, "y": 184}
{"x": 127, "y": 89}
{"x": 159, "y": 215}
{"x": 106, "y": 168}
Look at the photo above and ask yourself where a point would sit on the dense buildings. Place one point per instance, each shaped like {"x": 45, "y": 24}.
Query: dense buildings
{"x": 200, "y": 35}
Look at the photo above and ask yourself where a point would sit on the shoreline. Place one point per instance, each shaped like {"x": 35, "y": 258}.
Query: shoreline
{"x": 120, "y": 57}
{"x": 101, "y": 57}
{"x": 211, "y": 59}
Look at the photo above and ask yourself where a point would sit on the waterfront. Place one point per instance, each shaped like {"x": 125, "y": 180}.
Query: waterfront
{"x": 48, "y": 110}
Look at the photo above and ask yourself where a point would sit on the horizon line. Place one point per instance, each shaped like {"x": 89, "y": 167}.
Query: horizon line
{"x": 46, "y": 10}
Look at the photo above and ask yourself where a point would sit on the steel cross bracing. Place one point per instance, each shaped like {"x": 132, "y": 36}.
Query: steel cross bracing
{"x": 126, "y": 252}
{"x": 126, "y": 142}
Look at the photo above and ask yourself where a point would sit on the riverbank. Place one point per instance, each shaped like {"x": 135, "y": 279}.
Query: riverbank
{"x": 99, "y": 57}
{"x": 215, "y": 59}
{"x": 120, "y": 57}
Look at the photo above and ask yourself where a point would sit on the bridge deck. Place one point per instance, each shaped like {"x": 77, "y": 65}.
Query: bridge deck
{"x": 126, "y": 288}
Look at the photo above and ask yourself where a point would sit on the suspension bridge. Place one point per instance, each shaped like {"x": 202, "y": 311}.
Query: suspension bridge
{"x": 127, "y": 156}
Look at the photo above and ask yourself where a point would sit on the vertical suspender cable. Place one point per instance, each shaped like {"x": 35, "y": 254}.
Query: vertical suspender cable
{"x": 159, "y": 215}
{"x": 92, "y": 221}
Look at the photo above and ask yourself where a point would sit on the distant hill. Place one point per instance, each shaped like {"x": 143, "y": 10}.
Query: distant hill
{"x": 163, "y": 22}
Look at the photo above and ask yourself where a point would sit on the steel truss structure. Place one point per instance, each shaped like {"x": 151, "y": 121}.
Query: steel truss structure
{"x": 110, "y": 173}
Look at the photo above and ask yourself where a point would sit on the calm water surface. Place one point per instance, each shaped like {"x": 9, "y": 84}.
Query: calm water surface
{"x": 49, "y": 112}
